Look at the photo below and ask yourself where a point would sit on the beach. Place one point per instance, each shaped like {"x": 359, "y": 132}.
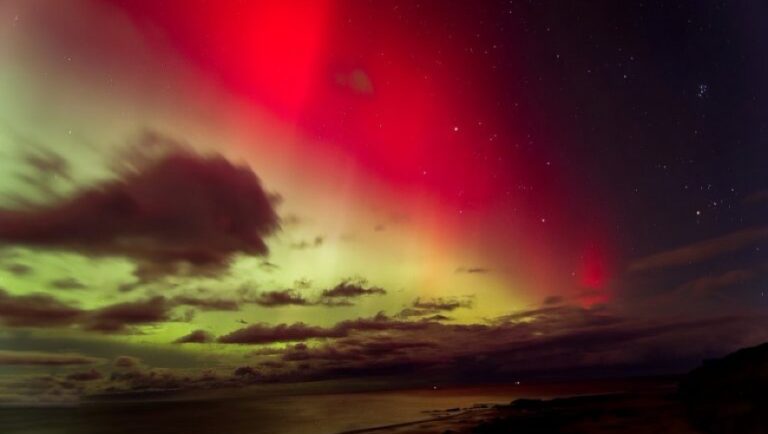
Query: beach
{"x": 426, "y": 409}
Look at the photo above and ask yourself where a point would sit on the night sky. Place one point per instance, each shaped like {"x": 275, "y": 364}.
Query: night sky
{"x": 216, "y": 194}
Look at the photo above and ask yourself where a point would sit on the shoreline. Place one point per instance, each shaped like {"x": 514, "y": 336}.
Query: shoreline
{"x": 602, "y": 413}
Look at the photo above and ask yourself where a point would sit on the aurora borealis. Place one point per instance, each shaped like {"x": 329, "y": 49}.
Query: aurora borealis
{"x": 211, "y": 195}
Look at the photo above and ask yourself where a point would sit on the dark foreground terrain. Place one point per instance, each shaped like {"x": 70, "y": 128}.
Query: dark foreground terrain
{"x": 724, "y": 396}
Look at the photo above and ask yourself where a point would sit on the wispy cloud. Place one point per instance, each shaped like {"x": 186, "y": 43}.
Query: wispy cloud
{"x": 700, "y": 251}
{"x": 45, "y": 359}
{"x": 473, "y": 270}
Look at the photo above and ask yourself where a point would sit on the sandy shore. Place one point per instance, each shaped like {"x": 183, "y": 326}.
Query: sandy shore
{"x": 612, "y": 413}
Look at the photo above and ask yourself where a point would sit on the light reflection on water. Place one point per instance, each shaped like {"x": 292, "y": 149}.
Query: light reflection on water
{"x": 317, "y": 414}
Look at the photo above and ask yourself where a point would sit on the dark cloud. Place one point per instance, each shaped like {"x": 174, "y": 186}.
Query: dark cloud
{"x": 182, "y": 212}
{"x": 197, "y": 336}
{"x": 44, "y": 359}
{"x": 246, "y": 371}
{"x": 553, "y": 299}
{"x": 435, "y": 306}
{"x": 355, "y": 349}
{"x": 352, "y": 288}
{"x": 563, "y": 316}
{"x": 42, "y": 310}
{"x": 91, "y": 375}
{"x": 381, "y": 344}
{"x": 152, "y": 381}
{"x": 264, "y": 334}
{"x": 338, "y": 296}
{"x": 551, "y": 339}
{"x": 442, "y": 304}
{"x": 473, "y": 270}
{"x": 268, "y": 266}
{"x": 305, "y": 244}
{"x": 332, "y": 302}
{"x": 558, "y": 339}
{"x": 44, "y": 170}
{"x": 120, "y": 317}
{"x": 128, "y": 286}
{"x": 208, "y": 304}
{"x": 700, "y": 251}
{"x": 438, "y": 317}
{"x": 36, "y": 310}
{"x": 625, "y": 345}
{"x": 706, "y": 285}
{"x": 48, "y": 163}
{"x": 273, "y": 364}
{"x": 410, "y": 312}
{"x": 142, "y": 382}
{"x": 67, "y": 283}
{"x": 302, "y": 283}
{"x": 126, "y": 362}
{"x": 379, "y": 322}
{"x": 291, "y": 219}
{"x": 284, "y": 297}
{"x": 18, "y": 269}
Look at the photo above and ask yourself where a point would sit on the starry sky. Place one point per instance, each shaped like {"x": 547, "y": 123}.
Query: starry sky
{"x": 217, "y": 195}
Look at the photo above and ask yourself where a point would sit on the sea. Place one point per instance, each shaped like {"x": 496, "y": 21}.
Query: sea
{"x": 315, "y": 413}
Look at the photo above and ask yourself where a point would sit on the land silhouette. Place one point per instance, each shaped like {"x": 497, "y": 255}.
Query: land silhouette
{"x": 722, "y": 396}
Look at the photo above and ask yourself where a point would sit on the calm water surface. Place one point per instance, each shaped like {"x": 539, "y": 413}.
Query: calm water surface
{"x": 316, "y": 414}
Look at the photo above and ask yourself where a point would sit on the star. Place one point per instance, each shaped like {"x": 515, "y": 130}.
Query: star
{"x": 702, "y": 91}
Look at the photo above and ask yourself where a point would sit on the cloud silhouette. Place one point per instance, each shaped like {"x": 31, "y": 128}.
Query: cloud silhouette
{"x": 182, "y": 212}
{"x": 67, "y": 283}
{"x": 196, "y": 336}
{"x": 700, "y": 251}
{"x": 352, "y": 288}
{"x": 120, "y": 317}
{"x": 18, "y": 269}
{"x": 285, "y": 297}
{"x": 45, "y": 359}
{"x": 435, "y": 306}
{"x": 473, "y": 270}
{"x": 305, "y": 244}
{"x": 264, "y": 334}
{"x": 36, "y": 310}
{"x": 206, "y": 303}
